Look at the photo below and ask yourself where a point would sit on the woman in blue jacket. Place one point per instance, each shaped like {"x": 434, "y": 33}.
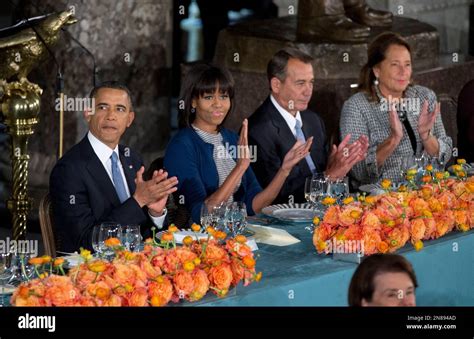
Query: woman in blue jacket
{"x": 210, "y": 161}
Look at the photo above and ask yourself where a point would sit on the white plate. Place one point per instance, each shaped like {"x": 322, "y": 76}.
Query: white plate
{"x": 376, "y": 189}
{"x": 7, "y": 289}
{"x": 179, "y": 236}
{"x": 290, "y": 212}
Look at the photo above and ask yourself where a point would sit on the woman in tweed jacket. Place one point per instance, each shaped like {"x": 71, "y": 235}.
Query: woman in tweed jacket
{"x": 400, "y": 119}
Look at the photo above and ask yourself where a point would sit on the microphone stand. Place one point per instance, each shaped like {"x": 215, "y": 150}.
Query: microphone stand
{"x": 60, "y": 93}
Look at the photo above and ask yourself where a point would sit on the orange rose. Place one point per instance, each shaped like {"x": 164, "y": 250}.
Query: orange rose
{"x": 185, "y": 254}
{"x": 215, "y": 253}
{"x": 150, "y": 271}
{"x": 82, "y": 276}
{"x": 139, "y": 297}
{"x": 183, "y": 284}
{"x": 237, "y": 271}
{"x": 418, "y": 229}
{"x": 331, "y": 216}
{"x": 113, "y": 301}
{"x": 221, "y": 276}
{"x": 160, "y": 291}
{"x": 62, "y": 295}
{"x": 201, "y": 285}
{"x": 124, "y": 274}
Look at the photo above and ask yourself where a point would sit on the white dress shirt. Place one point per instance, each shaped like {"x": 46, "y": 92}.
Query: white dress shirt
{"x": 289, "y": 118}
{"x": 104, "y": 153}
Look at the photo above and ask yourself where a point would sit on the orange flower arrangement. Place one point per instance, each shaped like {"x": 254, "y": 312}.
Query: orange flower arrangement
{"x": 386, "y": 222}
{"x": 158, "y": 275}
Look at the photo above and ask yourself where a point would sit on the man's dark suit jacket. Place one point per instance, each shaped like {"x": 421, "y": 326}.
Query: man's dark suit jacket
{"x": 269, "y": 132}
{"x": 83, "y": 195}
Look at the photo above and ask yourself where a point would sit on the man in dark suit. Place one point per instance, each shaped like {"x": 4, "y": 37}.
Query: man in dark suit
{"x": 97, "y": 180}
{"x": 283, "y": 118}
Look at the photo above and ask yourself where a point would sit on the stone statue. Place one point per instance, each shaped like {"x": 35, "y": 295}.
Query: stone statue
{"x": 338, "y": 20}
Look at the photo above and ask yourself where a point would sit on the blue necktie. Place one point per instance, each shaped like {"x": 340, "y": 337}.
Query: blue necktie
{"x": 300, "y": 136}
{"x": 118, "y": 179}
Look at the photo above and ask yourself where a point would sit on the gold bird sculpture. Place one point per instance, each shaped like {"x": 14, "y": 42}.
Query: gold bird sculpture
{"x": 21, "y": 50}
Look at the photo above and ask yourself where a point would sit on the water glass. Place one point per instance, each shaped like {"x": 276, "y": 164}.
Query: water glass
{"x": 95, "y": 240}
{"x": 108, "y": 230}
{"x": 338, "y": 189}
{"x": 6, "y": 273}
{"x": 213, "y": 215}
{"x": 236, "y": 218}
{"x": 131, "y": 237}
{"x": 406, "y": 162}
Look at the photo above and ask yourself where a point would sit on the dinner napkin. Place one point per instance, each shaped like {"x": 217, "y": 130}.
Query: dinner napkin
{"x": 272, "y": 236}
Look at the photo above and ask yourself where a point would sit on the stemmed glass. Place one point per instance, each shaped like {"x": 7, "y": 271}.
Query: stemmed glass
{"x": 131, "y": 237}
{"x": 108, "y": 230}
{"x": 6, "y": 273}
{"x": 22, "y": 270}
{"x": 406, "y": 162}
{"x": 236, "y": 218}
{"x": 338, "y": 189}
{"x": 213, "y": 215}
{"x": 437, "y": 163}
{"x": 96, "y": 246}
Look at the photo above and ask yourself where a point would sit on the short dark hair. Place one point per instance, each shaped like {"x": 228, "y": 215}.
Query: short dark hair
{"x": 112, "y": 84}
{"x": 362, "y": 282}
{"x": 200, "y": 79}
{"x": 376, "y": 53}
{"x": 277, "y": 66}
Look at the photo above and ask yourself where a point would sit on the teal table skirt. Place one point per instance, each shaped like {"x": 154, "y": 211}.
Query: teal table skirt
{"x": 297, "y": 275}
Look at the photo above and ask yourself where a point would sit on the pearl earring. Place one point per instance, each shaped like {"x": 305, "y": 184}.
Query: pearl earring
{"x": 376, "y": 81}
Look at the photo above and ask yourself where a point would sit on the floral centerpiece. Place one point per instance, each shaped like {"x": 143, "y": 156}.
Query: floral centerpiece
{"x": 163, "y": 272}
{"x": 386, "y": 222}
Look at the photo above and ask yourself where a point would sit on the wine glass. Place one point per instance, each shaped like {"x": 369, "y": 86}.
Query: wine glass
{"x": 406, "y": 162}
{"x": 95, "y": 240}
{"x": 338, "y": 189}
{"x": 22, "y": 270}
{"x": 6, "y": 273}
{"x": 213, "y": 215}
{"x": 131, "y": 237}
{"x": 236, "y": 218}
{"x": 421, "y": 162}
{"x": 437, "y": 163}
{"x": 108, "y": 230}
{"x": 307, "y": 189}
